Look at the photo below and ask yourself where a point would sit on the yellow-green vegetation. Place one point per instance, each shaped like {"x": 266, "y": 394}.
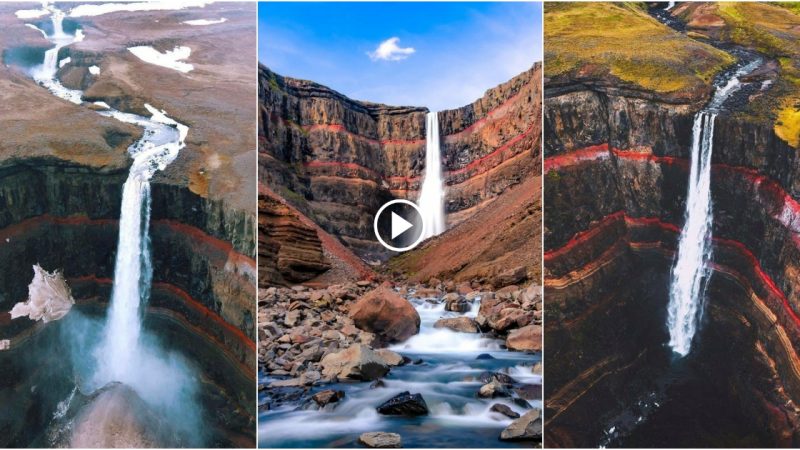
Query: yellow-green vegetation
{"x": 622, "y": 40}
{"x": 774, "y": 30}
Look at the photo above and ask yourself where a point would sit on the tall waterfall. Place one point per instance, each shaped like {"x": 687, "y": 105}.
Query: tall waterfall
{"x": 690, "y": 271}
{"x": 431, "y": 196}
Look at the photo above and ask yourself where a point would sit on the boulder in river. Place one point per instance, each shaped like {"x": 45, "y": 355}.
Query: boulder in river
{"x": 404, "y": 404}
{"x": 462, "y": 324}
{"x": 391, "y": 358}
{"x": 328, "y": 396}
{"x": 357, "y": 362}
{"x": 493, "y": 389}
{"x": 380, "y": 439}
{"x": 388, "y": 315}
{"x": 504, "y": 410}
{"x": 526, "y": 428}
{"x": 525, "y": 339}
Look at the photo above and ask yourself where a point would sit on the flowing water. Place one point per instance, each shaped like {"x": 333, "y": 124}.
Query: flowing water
{"x": 431, "y": 196}
{"x": 690, "y": 272}
{"x": 124, "y": 353}
{"x": 444, "y": 369}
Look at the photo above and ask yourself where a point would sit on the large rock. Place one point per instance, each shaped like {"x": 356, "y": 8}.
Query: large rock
{"x": 388, "y": 315}
{"x": 327, "y": 397}
{"x": 526, "y": 428}
{"x": 404, "y": 404}
{"x": 525, "y": 339}
{"x": 357, "y": 362}
{"x": 462, "y": 324}
{"x": 380, "y": 439}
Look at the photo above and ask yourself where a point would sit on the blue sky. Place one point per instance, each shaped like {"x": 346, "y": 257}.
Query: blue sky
{"x": 439, "y": 55}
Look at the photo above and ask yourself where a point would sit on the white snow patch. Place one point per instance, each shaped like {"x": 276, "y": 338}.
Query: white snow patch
{"x": 102, "y": 105}
{"x": 98, "y": 9}
{"x": 169, "y": 59}
{"x": 94, "y": 70}
{"x": 199, "y": 22}
{"x": 64, "y": 62}
{"x": 31, "y": 13}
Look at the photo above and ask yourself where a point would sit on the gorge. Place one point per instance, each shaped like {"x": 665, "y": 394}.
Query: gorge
{"x": 137, "y": 244}
{"x": 357, "y": 340}
{"x": 621, "y": 141}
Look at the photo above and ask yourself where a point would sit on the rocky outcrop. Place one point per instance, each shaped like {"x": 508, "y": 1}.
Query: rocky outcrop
{"x": 385, "y": 313}
{"x": 289, "y": 251}
{"x": 338, "y": 160}
{"x": 357, "y": 362}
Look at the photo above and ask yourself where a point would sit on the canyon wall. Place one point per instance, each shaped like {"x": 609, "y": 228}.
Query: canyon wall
{"x": 337, "y": 160}
{"x": 64, "y": 216}
{"x": 615, "y": 169}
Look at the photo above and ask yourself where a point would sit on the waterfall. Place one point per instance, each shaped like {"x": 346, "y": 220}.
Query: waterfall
{"x": 690, "y": 271}
{"x": 670, "y": 5}
{"x": 431, "y": 197}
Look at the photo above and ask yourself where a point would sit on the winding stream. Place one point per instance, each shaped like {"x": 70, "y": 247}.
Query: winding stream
{"x": 445, "y": 368}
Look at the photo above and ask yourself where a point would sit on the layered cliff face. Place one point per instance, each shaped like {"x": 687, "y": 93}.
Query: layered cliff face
{"x": 337, "y": 160}
{"x": 616, "y": 169}
{"x": 62, "y": 168}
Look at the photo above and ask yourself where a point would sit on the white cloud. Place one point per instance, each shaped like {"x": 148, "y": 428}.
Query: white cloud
{"x": 388, "y": 50}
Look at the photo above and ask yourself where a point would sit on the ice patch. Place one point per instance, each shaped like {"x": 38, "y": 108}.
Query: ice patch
{"x": 64, "y": 62}
{"x": 98, "y": 9}
{"x": 94, "y": 70}
{"x": 169, "y": 59}
{"x": 102, "y": 105}
{"x": 200, "y": 22}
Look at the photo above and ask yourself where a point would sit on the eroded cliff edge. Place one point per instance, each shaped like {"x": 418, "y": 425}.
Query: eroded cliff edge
{"x": 616, "y": 165}
{"x": 336, "y": 160}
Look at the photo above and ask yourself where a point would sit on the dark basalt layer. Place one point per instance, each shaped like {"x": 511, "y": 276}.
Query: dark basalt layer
{"x": 337, "y": 160}
{"x": 615, "y": 187}
{"x": 64, "y": 216}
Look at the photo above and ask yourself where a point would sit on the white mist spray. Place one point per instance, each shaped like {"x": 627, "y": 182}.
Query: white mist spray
{"x": 688, "y": 275}
{"x": 431, "y": 196}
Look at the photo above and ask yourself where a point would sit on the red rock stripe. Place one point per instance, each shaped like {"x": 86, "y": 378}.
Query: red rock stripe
{"x": 587, "y": 235}
{"x": 490, "y": 115}
{"x": 188, "y": 299}
{"x": 476, "y": 163}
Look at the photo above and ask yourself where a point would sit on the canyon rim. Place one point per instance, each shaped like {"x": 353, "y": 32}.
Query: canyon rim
{"x": 670, "y": 233}
{"x": 439, "y": 346}
{"x": 127, "y": 181}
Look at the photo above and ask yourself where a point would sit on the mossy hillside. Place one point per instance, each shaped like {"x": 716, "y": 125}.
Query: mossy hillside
{"x": 622, "y": 40}
{"x": 773, "y": 30}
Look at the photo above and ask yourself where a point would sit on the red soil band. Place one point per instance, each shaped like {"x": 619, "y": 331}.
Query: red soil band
{"x": 482, "y": 121}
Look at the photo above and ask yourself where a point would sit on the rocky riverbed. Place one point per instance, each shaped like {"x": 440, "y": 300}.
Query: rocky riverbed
{"x": 412, "y": 365}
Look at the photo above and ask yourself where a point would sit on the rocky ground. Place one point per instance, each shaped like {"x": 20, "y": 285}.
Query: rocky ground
{"x": 314, "y": 337}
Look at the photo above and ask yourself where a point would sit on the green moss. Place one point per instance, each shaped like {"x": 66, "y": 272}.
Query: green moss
{"x": 553, "y": 176}
{"x": 621, "y": 39}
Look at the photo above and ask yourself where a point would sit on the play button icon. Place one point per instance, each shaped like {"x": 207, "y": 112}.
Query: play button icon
{"x": 398, "y": 225}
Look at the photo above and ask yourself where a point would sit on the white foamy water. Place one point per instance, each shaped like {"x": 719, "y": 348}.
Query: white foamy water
{"x": 431, "y": 195}
{"x": 686, "y": 297}
{"x": 443, "y": 340}
{"x": 45, "y": 74}
{"x": 123, "y": 355}
{"x": 171, "y": 59}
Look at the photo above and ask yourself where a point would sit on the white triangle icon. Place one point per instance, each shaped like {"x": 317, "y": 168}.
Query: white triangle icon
{"x": 399, "y": 225}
